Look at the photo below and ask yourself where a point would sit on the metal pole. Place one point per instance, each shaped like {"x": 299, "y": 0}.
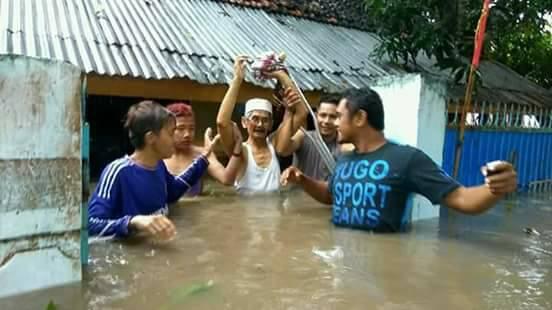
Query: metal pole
{"x": 462, "y": 126}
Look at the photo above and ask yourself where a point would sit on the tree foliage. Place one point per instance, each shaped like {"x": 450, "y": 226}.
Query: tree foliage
{"x": 518, "y": 33}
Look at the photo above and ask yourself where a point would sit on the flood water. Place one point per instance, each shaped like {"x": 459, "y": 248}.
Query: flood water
{"x": 281, "y": 252}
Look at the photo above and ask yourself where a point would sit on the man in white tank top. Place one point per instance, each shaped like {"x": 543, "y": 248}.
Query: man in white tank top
{"x": 259, "y": 170}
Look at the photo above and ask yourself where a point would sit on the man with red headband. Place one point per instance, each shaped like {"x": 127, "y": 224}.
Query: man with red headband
{"x": 185, "y": 151}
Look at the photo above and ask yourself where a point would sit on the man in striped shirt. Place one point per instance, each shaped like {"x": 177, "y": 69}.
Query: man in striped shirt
{"x": 133, "y": 192}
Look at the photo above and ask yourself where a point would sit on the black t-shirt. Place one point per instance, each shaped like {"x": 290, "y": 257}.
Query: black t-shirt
{"x": 371, "y": 190}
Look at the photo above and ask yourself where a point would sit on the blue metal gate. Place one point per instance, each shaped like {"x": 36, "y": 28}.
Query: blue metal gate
{"x": 519, "y": 134}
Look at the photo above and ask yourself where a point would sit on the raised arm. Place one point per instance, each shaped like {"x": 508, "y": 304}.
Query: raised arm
{"x": 224, "y": 116}
{"x": 478, "y": 199}
{"x": 295, "y": 107}
{"x": 427, "y": 178}
{"x": 289, "y": 138}
{"x": 227, "y": 175}
{"x": 180, "y": 184}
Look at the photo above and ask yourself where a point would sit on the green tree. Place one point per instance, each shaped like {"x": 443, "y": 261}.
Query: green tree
{"x": 517, "y": 35}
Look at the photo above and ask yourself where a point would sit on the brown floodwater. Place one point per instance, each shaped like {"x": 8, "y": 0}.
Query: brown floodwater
{"x": 282, "y": 252}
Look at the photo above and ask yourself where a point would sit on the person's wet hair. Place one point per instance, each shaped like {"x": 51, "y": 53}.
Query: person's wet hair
{"x": 143, "y": 117}
{"x": 181, "y": 109}
{"x": 368, "y": 100}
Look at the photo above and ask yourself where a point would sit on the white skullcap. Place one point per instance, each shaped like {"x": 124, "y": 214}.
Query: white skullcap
{"x": 257, "y": 104}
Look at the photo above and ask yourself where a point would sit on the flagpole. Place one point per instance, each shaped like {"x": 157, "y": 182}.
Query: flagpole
{"x": 462, "y": 127}
{"x": 479, "y": 36}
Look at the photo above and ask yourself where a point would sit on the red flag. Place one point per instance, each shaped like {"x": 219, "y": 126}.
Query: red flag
{"x": 480, "y": 33}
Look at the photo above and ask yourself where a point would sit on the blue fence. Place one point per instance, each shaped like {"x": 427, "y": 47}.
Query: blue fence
{"x": 503, "y": 132}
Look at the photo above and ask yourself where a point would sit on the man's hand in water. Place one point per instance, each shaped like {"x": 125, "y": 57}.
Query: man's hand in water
{"x": 291, "y": 175}
{"x": 500, "y": 177}
{"x": 209, "y": 142}
{"x": 156, "y": 225}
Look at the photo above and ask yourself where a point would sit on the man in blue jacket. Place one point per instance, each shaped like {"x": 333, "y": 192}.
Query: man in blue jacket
{"x": 133, "y": 192}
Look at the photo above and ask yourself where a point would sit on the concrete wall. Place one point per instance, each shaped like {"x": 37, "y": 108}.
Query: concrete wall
{"x": 401, "y": 101}
{"x": 40, "y": 167}
{"x": 432, "y": 118}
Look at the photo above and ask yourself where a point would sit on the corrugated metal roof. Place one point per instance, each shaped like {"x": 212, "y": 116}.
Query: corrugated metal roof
{"x": 156, "y": 39}
{"x": 499, "y": 84}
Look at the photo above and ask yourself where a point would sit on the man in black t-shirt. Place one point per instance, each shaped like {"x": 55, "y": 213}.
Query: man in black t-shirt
{"x": 369, "y": 188}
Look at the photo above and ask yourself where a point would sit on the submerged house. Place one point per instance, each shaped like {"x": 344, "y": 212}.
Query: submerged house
{"x": 182, "y": 50}
{"x": 177, "y": 50}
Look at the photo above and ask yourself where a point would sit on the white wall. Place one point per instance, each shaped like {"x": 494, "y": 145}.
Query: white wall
{"x": 401, "y": 100}
{"x": 432, "y": 120}
{"x": 40, "y": 172}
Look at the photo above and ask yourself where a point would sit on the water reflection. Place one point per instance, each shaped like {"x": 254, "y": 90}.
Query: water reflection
{"x": 281, "y": 252}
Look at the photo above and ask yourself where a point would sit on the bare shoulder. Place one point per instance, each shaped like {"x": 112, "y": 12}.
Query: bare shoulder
{"x": 197, "y": 150}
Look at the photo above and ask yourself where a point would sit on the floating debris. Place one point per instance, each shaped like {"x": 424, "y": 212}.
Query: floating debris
{"x": 331, "y": 257}
{"x": 531, "y": 231}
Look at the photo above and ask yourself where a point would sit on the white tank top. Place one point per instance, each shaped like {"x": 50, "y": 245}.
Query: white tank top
{"x": 257, "y": 179}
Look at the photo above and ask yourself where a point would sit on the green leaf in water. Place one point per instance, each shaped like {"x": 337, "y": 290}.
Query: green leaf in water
{"x": 51, "y": 306}
{"x": 180, "y": 294}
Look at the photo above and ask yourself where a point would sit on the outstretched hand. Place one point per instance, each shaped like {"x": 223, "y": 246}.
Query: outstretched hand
{"x": 291, "y": 175}
{"x": 209, "y": 141}
{"x": 500, "y": 177}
